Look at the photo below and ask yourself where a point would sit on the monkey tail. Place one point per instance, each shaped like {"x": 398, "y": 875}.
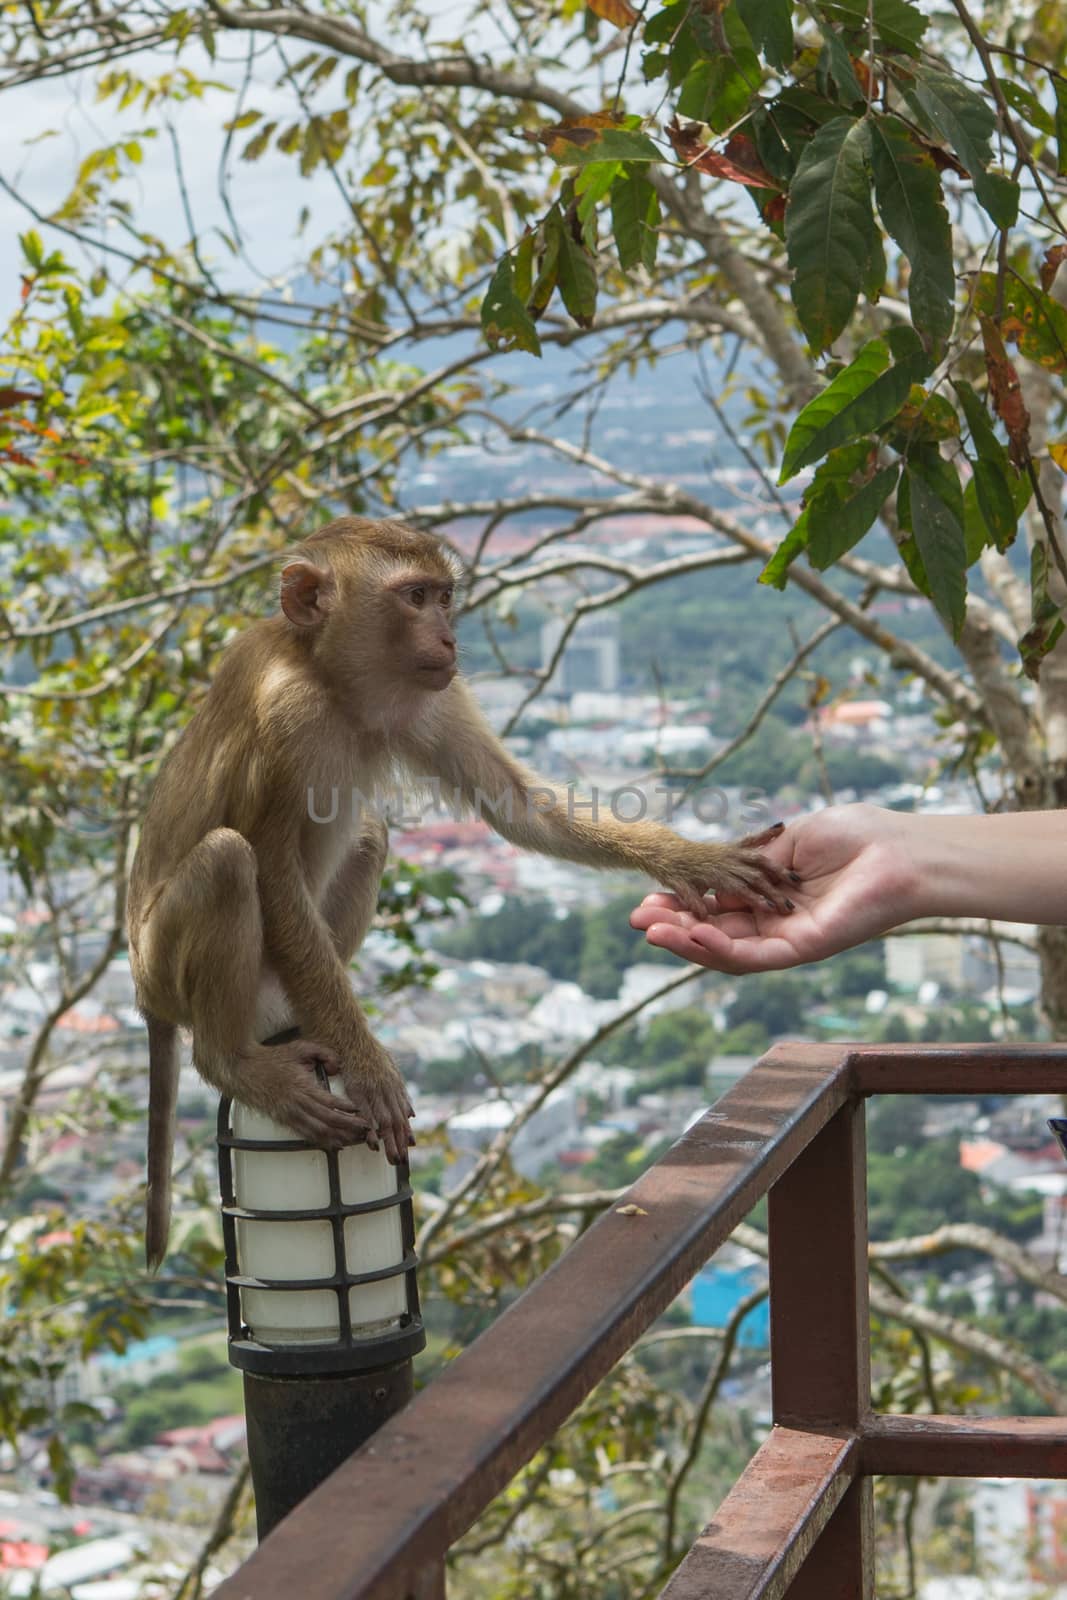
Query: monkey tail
{"x": 163, "y": 1067}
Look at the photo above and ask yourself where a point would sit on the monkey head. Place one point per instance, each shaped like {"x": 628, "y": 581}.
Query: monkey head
{"x": 376, "y": 599}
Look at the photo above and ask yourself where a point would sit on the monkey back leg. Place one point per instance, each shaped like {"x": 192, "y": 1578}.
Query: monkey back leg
{"x": 204, "y": 947}
{"x": 351, "y": 896}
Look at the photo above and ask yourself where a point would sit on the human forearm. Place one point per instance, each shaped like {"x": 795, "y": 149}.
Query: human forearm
{"x": 1010, "y": 867}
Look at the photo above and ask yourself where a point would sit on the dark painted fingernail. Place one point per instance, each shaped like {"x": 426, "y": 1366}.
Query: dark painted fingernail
{"x": 777, "y": 826}
{"x": 796, "y": 878}
{"x": 789, "y": 906}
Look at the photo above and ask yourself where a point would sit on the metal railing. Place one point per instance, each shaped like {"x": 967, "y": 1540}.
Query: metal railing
{"x": 798, "y": 1522}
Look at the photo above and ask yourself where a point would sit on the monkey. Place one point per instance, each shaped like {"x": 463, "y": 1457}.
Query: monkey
{"x": 245, "y": 909}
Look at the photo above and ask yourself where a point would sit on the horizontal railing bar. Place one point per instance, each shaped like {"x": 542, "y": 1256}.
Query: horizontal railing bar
{"x": 427, "y": 1475}
{"x": 961, "y": 1069}
{"x": 754, "y": 1546}
{"x": 965, "y": 1447}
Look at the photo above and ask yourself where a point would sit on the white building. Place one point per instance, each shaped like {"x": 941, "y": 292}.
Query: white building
{"x": 554, "y": 1127}
{"x": 591, "y": 657}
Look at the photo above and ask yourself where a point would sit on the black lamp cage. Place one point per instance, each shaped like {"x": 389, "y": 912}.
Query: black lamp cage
{"x": 349, "y": 1352}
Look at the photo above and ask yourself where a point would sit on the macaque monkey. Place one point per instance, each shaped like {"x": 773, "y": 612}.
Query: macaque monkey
{"x": 245, "y": 910}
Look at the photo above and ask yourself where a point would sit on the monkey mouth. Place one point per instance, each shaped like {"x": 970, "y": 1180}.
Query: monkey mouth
{"x": 445, "y": 670}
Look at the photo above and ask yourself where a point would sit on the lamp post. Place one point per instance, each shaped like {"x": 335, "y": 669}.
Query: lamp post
{"x": 322, "y": 1302}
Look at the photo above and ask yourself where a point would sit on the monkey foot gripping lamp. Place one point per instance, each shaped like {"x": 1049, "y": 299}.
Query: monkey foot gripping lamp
{"x": 322, "y": 1301}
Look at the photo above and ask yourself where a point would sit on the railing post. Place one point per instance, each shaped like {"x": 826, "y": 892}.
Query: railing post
{"x": 820, "y": 1332}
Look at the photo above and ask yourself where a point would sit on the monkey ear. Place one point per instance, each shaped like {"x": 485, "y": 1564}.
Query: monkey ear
{"x": 307, "y": 593}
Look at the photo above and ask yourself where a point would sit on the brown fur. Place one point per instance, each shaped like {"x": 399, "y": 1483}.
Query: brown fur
{"x": 244, "y": 912}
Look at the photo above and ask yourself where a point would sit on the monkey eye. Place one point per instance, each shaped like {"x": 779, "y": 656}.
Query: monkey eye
{"x": 417, "y": 596}
{"x": 446, "y": 597}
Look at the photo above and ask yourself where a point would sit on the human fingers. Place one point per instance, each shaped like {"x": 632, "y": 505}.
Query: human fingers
{"x": 644, "y": 915}
{"x": 710, "y": 944}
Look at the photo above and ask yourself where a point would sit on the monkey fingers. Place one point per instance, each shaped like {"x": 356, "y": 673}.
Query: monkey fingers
{"x": 384, "y": 1104}
{"x": 322, "y": 1118}
{"x": 756, "y": 841}
{"x": 745, "y": 875}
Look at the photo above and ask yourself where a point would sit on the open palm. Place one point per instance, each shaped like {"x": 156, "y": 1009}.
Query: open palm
{"x": 857, "y": 880}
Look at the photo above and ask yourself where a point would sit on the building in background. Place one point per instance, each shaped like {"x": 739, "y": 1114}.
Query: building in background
{"x": 592, "y": 657}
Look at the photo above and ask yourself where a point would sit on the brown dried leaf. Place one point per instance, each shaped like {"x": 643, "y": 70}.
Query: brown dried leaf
{"x": 738, "y": 163}
{"x": 1006, "y": 392}
{"x": 1054, "y": 257}
{"x": 558, "y": 137}
{"x": 620, "y": 12}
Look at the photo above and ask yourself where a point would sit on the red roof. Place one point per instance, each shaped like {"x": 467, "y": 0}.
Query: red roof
{"x": 21, "y": 1553}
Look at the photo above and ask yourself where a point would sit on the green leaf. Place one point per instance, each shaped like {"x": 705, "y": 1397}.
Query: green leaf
{"x": 719, "y": 86}
{"x": 770, "y": 22}
{"x": 1060, "y": 89}
{"x": 614, "y": 144}
{"x": 966, "y": 122}
{"x": 835, "y": 523}
{"x": 522, "y": 266}
{"x": 245, "y": 120}
{"x": 715, "y": 92}
{"x": 776, "y": 572}
{"x": 836, "y": 64}
{"x": 32, "y": 247}
{"x": 770, "y": 143}
{"x": 987, "y": 516}
{"x": 577, "y": 279}
{"x": 924, "y": 418}
{"x": 957, "y": 112}
{"x": 998, "y": 195}
{"x": 1038, "y": 322}
{"x": 908, "y": 190}
{"x": 548, "y": 269}
{"x": 663, "y": 26}
{"x": 874, "y": 273}
{"x": 936, "y": 506}
{"x": 898, "y": 24}
{"x": 980, "y": 423}
{"x": 635, "y": 220}
{"x": 867, "y": 394}
{"x": 1026, "y": 103}
{"x": 1047, "y": 625}
{"x": 591, "y": 185}
{"x": 259, "y": 142}
{"x": 992, "y": 488}
{"x": 505, "y": 321}
{"x": 828, "y": 228}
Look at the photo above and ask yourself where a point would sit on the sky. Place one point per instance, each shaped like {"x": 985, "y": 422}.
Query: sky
{"x": 267, "y": 194}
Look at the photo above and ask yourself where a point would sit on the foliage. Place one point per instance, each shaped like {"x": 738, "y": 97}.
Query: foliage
{"x": 591, "y": 947}
{"x": 913, "y": 1189}
{"x": 852, "y": 138}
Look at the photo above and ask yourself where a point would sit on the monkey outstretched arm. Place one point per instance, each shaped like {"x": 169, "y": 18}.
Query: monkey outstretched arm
{"x": 538, "y": 816}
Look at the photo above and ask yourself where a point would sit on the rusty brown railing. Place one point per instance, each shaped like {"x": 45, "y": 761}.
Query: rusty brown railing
{"x": 798, "y": 1522}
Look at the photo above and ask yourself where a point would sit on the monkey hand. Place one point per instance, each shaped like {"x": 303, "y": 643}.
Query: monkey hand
{"x": 281, "y": 1080}
{"x": 740, "y": 872}
{"x": 376, "y": 1090}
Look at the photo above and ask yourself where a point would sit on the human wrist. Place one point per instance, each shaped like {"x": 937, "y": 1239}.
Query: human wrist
{"x": 946, "y": 877}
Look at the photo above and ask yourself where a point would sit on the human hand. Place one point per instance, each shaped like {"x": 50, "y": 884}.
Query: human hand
{"x": 858, "y": 878}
